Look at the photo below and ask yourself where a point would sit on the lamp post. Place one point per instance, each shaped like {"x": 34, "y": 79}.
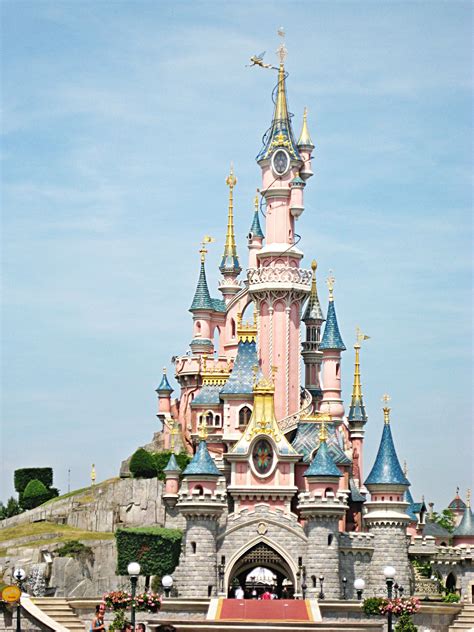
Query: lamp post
{"x": 344, "y": 587}
{"x": 221, "y": 573}
{"x": 304, "y": 585}
{"x": 20, "y": 576}
{"x": 321, "y": 583}
{"x": 133, "y": 570}
{"x": 389, "y": 573}
{"x": 359, "y": 586}
{"x": 167, "y": 583}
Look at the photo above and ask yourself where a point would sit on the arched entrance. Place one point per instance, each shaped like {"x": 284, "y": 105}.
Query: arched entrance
{"x": 259, "y": 567}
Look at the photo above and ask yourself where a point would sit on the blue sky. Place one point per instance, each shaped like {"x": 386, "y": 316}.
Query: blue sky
{"x": 119, "y": 122}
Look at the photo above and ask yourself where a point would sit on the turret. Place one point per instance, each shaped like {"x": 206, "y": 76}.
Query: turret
{"x": 305, "y": 146}
{"x": 357, "y": 417}
{"x": 323, "y": 506}
{"x": 171, "y": 472}
{"x": 202, "y": 308}
{"x": 164, "y": 391}
{"x": 458, "y": 507}
{"x": 313, "y": 318}
{"x": 255, "y": 236}
{"x": 464, "y": 532}
{"x": 332, "y": 345}
{"x": 386, "y": 516}
{"x": 230, "y": 267}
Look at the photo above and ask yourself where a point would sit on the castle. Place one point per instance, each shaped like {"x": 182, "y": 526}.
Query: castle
{"x": 278, "y": 478}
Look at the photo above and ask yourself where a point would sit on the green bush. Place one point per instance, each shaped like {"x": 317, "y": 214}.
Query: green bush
{"x": 154, "y": 548}
{"x": 405, "y": 624}
{"x": 142, "y": 464}
{"x": 23, "y": 476}
{"x": 372, "y": 605}
{"x": 35, "y": 494}
{"x": 162, "y": 458}
{"x": 451, "y": 598}
{"x": 77, "y": 550}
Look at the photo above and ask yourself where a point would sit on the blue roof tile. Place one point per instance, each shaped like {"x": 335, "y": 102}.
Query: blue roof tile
{"x": 466, "y": 526}
{"x": 240, "y": 381}
{"x": 332, "y": 337}
{"x": 164, "y": 386}
{"x": 202, "y": 298}
{"x": 172, "y": 465}
{"x": 356, "y": 496}
{"x": 307, "y": 439}
{"x": 208, "y": 396}
{"x": 323, "y": 463}
{"x": 256, "y": 229}
{"x": 386, "y": 469}
{"x": 218, "y": 305}
{"x": 202, "y": 463}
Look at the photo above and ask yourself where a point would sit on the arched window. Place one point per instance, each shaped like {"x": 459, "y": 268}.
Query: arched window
{"x": 199, "y": 490}
{"x": 198, "y": 328}
{"x": 193, "y": 547}
{"x": 209, "y": 418}
{"x": 330, "y": 539}
{"x": 244, "y": 416}
{"x": 232, "y": 328}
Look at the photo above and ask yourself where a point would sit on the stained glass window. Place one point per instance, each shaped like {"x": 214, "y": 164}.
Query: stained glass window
{"x": 262, "y": 456}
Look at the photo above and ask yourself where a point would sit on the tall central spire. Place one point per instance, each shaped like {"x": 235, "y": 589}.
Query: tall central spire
{"x": 357, "y": 412}
{"x": 230, "y": 261}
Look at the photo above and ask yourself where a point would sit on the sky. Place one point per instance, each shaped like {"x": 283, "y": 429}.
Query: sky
{"x": 119, "y": 123}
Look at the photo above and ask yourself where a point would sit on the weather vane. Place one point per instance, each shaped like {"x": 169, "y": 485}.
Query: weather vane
{"x": 360, "y": 336}
{"x": 207, "y": 239}
{"x": 331, "y": 280}
{"x": 282, "y": 52}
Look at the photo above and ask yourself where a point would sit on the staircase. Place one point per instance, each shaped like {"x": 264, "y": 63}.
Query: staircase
{"x": 60, "y": 611}
{"x": 464, "y": 620}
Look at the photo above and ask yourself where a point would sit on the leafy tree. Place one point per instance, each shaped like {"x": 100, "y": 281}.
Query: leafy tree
{"x": 142, "y": 464}
{"x": 12, "y": 508}
{"x": 445, "y": 519}
{"x": 36, "y": 493}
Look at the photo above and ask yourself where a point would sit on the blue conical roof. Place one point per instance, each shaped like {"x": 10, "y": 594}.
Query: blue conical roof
{"x": 172, "y": 465}
{"x": 164, "y": 386}
{"x": 466, "y": 526}
{"x": 386, "y": 469}
{"x": 202, "y": 298}
{"x": 256, "y": 229}
{"x": 202, "y": 463}
{"x": 323, "y": 464}
{"x": 241, "y": 379}
{"x": 332, "y": 337}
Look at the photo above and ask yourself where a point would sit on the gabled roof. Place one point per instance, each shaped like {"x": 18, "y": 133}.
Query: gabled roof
{"x": 202, "y": 298}
{"x": 241, "y": 379}
{"x": 386, "y": 469}
{"x": 172, "y": 465}
{"x": 323, "y": 464}
{"x": 466, "y": 526}
{"x": 332, "y": 338}
{"x": 202, "y": 463}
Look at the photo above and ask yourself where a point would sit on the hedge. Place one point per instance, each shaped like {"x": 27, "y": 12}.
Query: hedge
{"x": 36, "y": 493}
{"x": 156, "y": 549}
{"x": 142, "y": 464}
{"x": 23, "y": 476}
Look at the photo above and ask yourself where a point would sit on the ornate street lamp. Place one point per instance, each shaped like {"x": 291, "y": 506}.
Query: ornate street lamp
{"x": 221, "y": 573}
{"x": 321, "y": 584}
{"x": 133, "y": 570}
{"x": 389, "y": 573}
{"x": 167, "y": 583}
{"x": 20, "y": 576}
{"x": 359, "y": 586}
{"x": 344, "y": 587}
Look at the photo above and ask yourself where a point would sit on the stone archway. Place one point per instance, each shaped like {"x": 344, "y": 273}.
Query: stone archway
{"x": 261, "y": 555}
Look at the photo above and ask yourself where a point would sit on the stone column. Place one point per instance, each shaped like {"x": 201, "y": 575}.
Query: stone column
{"x": 322, "y": 557}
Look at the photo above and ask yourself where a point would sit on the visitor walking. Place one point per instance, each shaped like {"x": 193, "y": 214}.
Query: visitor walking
{"x": 239, "y": 593}
{"x": 98, "y": 621}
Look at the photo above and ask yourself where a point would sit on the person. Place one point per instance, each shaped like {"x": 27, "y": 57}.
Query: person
{"x": 266, "y": 594}
{"x": 140, "y": 627}
{"x": 284, "y": 593}
{"x": 239, "y": 593}
{"x": 98, "y": 621}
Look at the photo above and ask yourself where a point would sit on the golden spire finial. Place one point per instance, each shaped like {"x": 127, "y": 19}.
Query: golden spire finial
{"x": 323, "y": 433}
{"x": 229, "y": 259}
{"x": 386, "y": 410}
{"x": 256, "y": 201}
{"x": 207, "y": 239}
{"x": 281, "y": 108}
{"x": 305, "y": 138}
{"x": 314, "y": 265}
{"x": 331, "y": 280}
{"x": 202, "y": 430}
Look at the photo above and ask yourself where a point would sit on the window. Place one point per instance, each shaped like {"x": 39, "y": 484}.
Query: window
{"x": 232, "y": 327}
{"x": 212, "y": 419}
{"x": 244, "y": 416}
{"x": 193, "y": 547}
{"x": 199, "y": 490}
{"x": 330, "y": 539}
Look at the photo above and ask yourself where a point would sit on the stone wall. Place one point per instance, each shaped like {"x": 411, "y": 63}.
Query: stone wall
{"x": 356, "y": 550}
{"x": 322, "y": 556}
{"x": 390, "y": 549}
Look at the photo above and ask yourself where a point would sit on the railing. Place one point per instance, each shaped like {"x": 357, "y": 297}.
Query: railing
{"x": 279, "y": 274}
{"x": 287, "y": 424}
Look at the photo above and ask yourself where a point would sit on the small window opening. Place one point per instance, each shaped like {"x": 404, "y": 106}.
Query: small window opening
{"x": 209, "y": 591}
{"x": 193, "y": 547}
{"x": 314, "y": 580}
{"x": 330, "y": 539}
{"x": 244, "y": 416}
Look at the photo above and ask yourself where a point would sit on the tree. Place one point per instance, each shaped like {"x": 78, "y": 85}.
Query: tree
{"x": 12, "y": 508}
{"x": 36, "y": 493}
{"x": 445, "y": 519}
{"x": 142, "y": 464}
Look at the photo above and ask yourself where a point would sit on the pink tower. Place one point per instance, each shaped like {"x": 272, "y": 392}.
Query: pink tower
{"x": 277, "y": 284}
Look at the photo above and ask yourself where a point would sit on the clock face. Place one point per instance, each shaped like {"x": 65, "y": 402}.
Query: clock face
{"x": 280, "y": 162}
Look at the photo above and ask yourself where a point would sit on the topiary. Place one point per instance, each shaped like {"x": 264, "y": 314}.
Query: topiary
{"x": 36, "y": 493}
{"x": 24, "y": 475}
{"x": 142, "y": 464}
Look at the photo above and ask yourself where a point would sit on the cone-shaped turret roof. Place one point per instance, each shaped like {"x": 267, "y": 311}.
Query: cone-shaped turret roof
{"x": 387, "y": 469}
{"x": 457, "y": 504}
{"x": 202, "y": 463}
{"x": 255, "y": 228}
{"x": 164, "y": 386}
{"x": 230, "y": 260}
{"x": 280, "y": 133}
{"x": 332, "y": 338}
{"x": 357, "y": 410}
{"x": 323, "y": 464}
{"x": 313, "y": 309}
{"x": 202, "y": 299}
{"x": 172, "y": 465}
{"x": 305, "y": 138}
{"x": 466, "y": 526}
